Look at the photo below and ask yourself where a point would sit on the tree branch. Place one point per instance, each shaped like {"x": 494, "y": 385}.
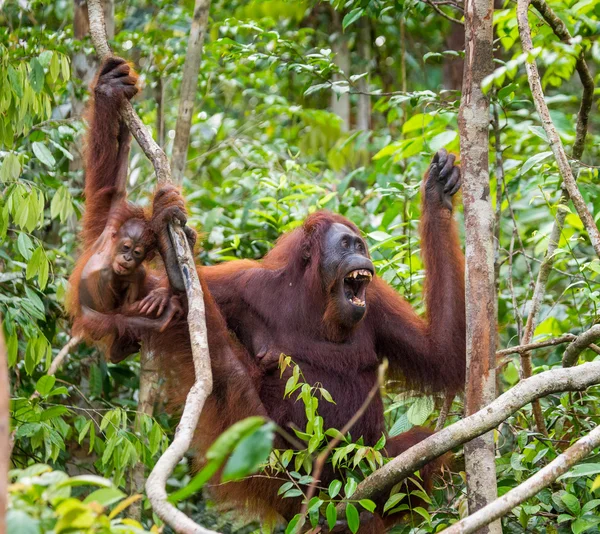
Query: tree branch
{"x": 551, "y": 132}
{"x": 577, "y": 347}
{"x": 542, "y": 479}
{"x": 189, "y": 85}
{"x": 587, "y": 81}
{"x": 554, "y": 381}
{"x": 156, "y": 483}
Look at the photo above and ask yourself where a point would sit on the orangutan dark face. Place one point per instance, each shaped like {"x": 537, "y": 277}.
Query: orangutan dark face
{"x": 347, "y": 271}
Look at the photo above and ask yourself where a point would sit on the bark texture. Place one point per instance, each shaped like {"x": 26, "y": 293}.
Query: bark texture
{"x": 189, "y": 85}
{"x": 479, "y": 223}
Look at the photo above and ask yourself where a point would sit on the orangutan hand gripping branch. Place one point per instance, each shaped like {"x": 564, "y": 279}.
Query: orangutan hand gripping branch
{"x": 315, "y": 296}
{"x": 114, "y": 298}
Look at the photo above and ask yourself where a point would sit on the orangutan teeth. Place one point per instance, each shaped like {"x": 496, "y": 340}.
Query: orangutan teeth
{"x": 357, "y": 302}
{"x": 360, "y": 273}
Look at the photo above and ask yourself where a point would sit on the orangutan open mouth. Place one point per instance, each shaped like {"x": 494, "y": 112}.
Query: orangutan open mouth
{"x": 355, "y": 286}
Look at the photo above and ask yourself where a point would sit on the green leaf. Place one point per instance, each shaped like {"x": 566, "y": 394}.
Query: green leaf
{"x": 54, "y": 412}
{"x": 12, "y": 347}
{"x": 334, "y": 488}
{"x": 21, "y": 522}
{"x": 582, "y": 524}
{"x": 45, "y": 384}
{"x": 43, "y": 154}
{"x": 367, "y": 504}
{"x": 352, "y": 517}
{"x": 331, "y": 514}
{"x": 295, "y": 525}
{"x": 352, "y": 16}
{"x": 224, "y": 444}
{"x": 36, "y": 75}
{"x": 350, "y": 487}
{"x": 416, "y": 122}
{"x": 87, "y": 480}
{"x": 582, "y": 470}
{"x": 54, "y": 67}
{"x": 572, "y": 503}
{"x": 443, "y": 139}
{"x": 105, "y": 496}
{"x": 11, "y": 168}
{"x": 393, "y": 501}
{"x": 420, "y": 410}
{"x": 400, "y": 426}
{"x": 534, "y": 160}
{"x": 250, "y": 453}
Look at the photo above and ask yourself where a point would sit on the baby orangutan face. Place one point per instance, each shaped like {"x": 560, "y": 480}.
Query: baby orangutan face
{"x": 130, "y": 249}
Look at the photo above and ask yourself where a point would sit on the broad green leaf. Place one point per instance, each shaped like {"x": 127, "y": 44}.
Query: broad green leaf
{"x": 249, "y": 454}
{"x": 334, "y": 488}
{"x": 572, "y": 503}
{"x": 417, "y": 122}
{"x": 11, "y": 168}
{"x": 331, "y": 514}
{"x": 350, "y": 487}
{"x": 36, "y": 75}
{"x": 45, "y": 384}
{"x": 352, "y": 517}
{"x": 420, "y": 410}
{"x": 42, "y": 153}
{"x": 105, "y": 496}
{"x": 352, "y": 16}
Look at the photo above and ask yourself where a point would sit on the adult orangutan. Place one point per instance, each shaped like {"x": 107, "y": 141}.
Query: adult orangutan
{"x": 114, "y": 299}
{"x": 315, "y": 296}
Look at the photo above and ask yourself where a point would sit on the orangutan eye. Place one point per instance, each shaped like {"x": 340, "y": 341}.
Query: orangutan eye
{"x": 137, "y": 253}
{"x": 126, "y": 248}
{"x": 345, "y": 243}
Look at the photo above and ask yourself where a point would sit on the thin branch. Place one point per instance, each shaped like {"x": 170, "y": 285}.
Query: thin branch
{"x": 444, "y": 411}
{"x": 542, "y": 479}
{"x": 189, "y": 85}
{"x": 156, "y": 483}
{"x": 587, "y": 80}
{"x": 520, "y": 349}
{"x": 551, "y": 132}
{"x": 5, "y": 445}
{"x": 322, "y": 457}
{"x": 557, "y": 380}
{"x": 435, "y": 6}
{"x": 577, "y": 347}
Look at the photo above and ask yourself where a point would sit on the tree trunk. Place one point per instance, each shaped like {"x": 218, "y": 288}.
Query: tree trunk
{"x": 363, "y": 113}
{"x": 479, "y": 222}
{"x": 340, "y": 104}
